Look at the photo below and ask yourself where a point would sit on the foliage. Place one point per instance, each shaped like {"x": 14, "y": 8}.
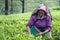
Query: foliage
{"x": 13, "y": 27}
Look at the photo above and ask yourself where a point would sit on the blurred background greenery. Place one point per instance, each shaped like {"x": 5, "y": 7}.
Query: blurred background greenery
{"x": 15, "y": 6}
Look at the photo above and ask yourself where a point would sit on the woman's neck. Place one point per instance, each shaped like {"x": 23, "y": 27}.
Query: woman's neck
{"x": 40, "y": 17}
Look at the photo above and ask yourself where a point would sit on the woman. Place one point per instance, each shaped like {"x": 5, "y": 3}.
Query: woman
{"x": 40, "y": 20}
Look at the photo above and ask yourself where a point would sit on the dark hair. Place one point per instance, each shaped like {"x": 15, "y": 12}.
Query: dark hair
{"x": 37, "y": 13}
{"x": 43, "y": 11}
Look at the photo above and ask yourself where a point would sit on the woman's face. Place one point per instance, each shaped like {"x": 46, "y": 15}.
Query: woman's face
{"x": 40, "y": 13}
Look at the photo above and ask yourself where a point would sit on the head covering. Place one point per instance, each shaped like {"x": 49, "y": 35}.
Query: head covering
{"x": 42, "y": 7}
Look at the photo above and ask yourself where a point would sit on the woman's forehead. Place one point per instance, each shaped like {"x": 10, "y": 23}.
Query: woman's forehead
{"x": 41, "y": 12}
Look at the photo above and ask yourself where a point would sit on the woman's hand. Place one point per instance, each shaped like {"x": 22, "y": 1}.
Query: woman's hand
{"x": 28, "y": 30}
{"x": 41, "y": 33}
{"x": 46, "y": 31}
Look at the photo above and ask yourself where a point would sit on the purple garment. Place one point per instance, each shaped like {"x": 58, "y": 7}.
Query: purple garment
{"x": 40, "y": 23}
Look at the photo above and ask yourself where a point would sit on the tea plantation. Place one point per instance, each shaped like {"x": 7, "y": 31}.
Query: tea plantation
{"x": 13, "y": 27}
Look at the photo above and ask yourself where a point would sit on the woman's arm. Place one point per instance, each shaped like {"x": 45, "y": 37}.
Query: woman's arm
{"x": 45, "y": 31}
{"x": 48, "y": 24}
{"x": 41, "y": 33}
{"x": 28, "y": 30}
{"x": 30, "y": 23}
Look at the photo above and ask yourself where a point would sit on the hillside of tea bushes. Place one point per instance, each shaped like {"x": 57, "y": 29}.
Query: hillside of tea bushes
{"x": 13, "y": 27}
